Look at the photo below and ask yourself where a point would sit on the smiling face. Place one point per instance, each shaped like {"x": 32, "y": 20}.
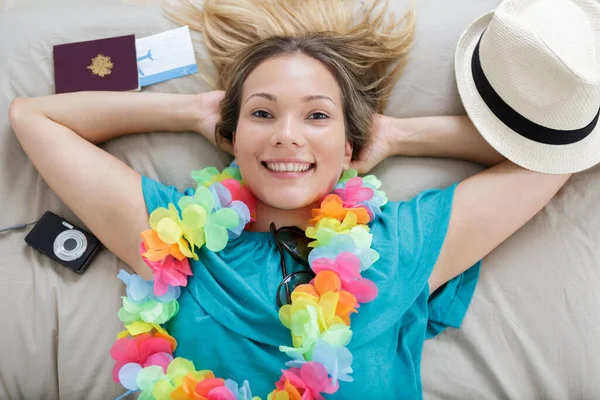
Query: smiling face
{"x": 290, "y": 141}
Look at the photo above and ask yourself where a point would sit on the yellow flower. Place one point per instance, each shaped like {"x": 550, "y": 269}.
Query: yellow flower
{"x": 308, "y": 317}
{"x": 327, "y": 228}
{"x": 171, "y": 229}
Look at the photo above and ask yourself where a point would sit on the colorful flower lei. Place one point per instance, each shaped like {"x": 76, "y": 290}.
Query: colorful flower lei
{"x": 318, "y": 316}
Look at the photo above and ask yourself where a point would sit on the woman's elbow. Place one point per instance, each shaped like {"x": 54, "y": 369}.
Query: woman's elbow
{"x": 22, "y": 113}
{"x": 17, "y": 112}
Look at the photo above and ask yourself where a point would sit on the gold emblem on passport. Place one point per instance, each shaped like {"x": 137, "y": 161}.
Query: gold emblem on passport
{"x": 101, "y": 65}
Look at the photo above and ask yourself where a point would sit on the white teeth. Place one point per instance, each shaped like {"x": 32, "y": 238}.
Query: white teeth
{"x": 288, "y": 167}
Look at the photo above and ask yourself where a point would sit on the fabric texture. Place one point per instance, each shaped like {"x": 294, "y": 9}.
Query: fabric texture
{"x": 535, "y": 315}
{"x": 228, "y": 320}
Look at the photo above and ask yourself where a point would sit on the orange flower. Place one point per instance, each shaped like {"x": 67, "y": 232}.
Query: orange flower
{"x": 332, "y": 206}
{"x": 329, "y": 281}
{"x": 186, "y": 390}
{"x": 157, "y": 249}
{"x": 289, "y": 392}
{"x": 192, "y": 388}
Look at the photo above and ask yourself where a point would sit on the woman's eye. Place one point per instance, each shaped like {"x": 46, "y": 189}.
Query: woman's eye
{"x": 318, "y": 115}
{"x": 261, "y": 114}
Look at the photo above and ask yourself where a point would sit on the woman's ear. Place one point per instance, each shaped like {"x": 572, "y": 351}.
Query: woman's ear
{"x": 233, "y": 143}
{"x": 348, "y": 154}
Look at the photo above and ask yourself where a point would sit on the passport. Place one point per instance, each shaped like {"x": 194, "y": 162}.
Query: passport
{"x": 103, "y": 64}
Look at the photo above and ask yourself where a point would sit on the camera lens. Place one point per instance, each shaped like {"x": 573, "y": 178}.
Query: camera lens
{"x": 69, "y": 245}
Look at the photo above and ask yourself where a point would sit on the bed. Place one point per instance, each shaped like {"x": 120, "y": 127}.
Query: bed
{"x": 533, "y": 325}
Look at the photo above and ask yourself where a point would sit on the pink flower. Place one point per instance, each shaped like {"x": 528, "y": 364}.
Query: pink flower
{"x": 241, "y": 193}
{"x": 354, "y": 192}
{"x": 168, "y": 271}
{"x": 310, "y": 381}
{"x": 142, "y": 349}
{"x": 347, "y": 266}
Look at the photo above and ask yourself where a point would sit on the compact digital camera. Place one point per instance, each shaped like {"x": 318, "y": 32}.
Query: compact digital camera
{"x": 63, "y": 242}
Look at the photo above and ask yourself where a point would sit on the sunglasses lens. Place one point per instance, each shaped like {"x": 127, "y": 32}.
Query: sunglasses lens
{"x": 291, "y": 282}
{"x": 296, "y": 243}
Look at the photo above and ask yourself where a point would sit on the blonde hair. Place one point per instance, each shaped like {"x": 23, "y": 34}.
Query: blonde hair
{"x": 364, "y": 46}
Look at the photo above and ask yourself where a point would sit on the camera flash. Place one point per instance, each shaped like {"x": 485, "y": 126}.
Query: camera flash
{"x": 68, "y": 225}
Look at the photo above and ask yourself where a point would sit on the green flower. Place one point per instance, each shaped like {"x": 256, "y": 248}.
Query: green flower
{"x": 214, "y": 224}
{"x": 151, "y": 311}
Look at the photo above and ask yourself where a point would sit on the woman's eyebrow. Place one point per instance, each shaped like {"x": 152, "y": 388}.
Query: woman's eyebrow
{"x": 267, "y": 96}
{"x": 273, "y": 98}
{"x": 317, "y": 97}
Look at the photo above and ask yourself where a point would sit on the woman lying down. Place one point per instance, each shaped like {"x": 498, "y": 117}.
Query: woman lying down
{"x": 288, "y": 275}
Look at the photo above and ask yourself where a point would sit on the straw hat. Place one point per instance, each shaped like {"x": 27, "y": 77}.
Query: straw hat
{"x": 528, "y": 75}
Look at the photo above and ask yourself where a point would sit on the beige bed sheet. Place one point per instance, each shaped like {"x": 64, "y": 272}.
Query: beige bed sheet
{"x": 533, "y": 327}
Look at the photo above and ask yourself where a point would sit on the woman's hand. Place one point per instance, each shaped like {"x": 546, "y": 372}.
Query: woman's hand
{"x": 208, "y": 113}
{"x": 378, "y": 149}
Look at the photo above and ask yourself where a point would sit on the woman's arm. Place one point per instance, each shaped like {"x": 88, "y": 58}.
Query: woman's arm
{"x": 57, "y": 133}
{"x": 101, "y": 116}
{"x": 488, "y": 207}
{"x": 443, "y": 136}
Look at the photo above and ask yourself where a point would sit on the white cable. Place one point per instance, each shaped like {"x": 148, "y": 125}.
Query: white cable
{"x": 16, "y": 227}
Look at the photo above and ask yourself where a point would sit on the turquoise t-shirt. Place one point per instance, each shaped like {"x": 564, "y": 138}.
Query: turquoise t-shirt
{"x": 228, "y": 318}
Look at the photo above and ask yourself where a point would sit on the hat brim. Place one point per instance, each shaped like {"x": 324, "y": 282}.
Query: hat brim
{"x": 529, "y": 154}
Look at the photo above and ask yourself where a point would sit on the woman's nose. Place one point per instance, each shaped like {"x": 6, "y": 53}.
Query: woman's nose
{"x": 288, "y": 133}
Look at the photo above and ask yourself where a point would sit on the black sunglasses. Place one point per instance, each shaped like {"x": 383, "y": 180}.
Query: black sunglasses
{"x": 295, "y": 242}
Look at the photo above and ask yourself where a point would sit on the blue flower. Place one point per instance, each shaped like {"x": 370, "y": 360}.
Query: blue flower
{"x": 241, "y": 393}
{"x": 140, "y": 291}
{"x": 337, "y": 360}
{"x": 222, "y": 199}
{"x": 344, "y": 243}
